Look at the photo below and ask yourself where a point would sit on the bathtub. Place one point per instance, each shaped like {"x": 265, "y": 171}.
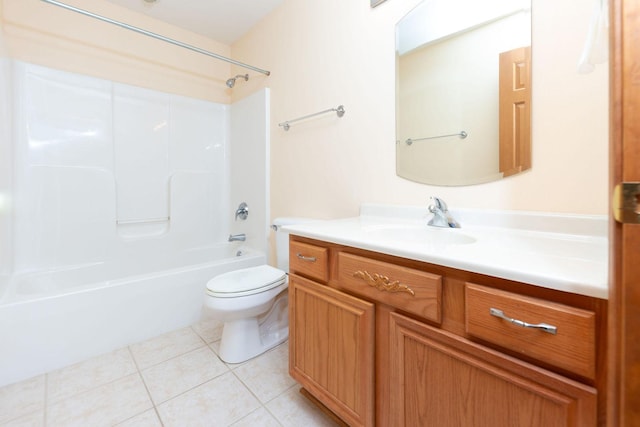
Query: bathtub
{"x": 51, "y": 319}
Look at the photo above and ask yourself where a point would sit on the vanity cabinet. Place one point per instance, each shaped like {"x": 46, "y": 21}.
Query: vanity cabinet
{"x": 387, "y": 341}
{"x": 331, "y": 341}
{"x": 441, "y": 379}
{"x": 557, "y": 334}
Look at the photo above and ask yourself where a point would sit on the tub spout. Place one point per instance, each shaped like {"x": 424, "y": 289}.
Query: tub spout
{"x": 237, "y": 237}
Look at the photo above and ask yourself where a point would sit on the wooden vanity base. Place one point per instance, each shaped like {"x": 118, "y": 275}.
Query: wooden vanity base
{"x": 323, "y": 408}
{"x": 380, "y": 340}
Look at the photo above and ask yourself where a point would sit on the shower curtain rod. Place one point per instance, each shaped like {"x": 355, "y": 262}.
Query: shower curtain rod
{"x": 156, "y": 36}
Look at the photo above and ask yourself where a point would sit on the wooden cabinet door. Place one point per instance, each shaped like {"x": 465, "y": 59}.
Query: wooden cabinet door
{"x": 440, "y": 379}
{"x": 331, "y": 348}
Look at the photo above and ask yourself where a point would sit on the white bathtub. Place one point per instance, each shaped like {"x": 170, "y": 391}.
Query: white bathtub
{"x": 55, "y": 318}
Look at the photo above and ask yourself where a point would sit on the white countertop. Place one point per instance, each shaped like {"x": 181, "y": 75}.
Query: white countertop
{"x": 563, "y": 252}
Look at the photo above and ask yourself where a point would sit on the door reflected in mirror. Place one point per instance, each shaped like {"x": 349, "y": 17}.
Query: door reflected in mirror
{"x": 463, "y": 91}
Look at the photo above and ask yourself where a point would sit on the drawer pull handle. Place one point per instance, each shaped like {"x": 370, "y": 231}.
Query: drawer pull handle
{"x": 383, "y": 283}
{"x": 306, "y": 258}
{"x": 542, "y": 326}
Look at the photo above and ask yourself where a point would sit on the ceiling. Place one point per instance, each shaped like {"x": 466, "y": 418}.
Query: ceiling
{"x": 222, "y": 20}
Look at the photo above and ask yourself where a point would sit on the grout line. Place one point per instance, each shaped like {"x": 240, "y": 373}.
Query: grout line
{"x": 144, "y": 383}
{"x": 276, "y": 397}
{"x": 199, "y": 336}
{"x": 46, "y": 399}
{"x": 135, "y": 362}
{"x": 91, "y": 388}
{"x": 263, "y": 404}
{"x": 214, "y": 354}
{"x": 153, "y": 403}
{"x": 247, "y": 387}
{"x": 172, "y": 357}
{"x": 139, "y": 371}
{"x": 155, "y": 409}
{"x": 256, "y": 410}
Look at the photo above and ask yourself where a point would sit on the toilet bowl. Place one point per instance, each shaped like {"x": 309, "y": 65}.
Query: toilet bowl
{"x": 252, "y": 303}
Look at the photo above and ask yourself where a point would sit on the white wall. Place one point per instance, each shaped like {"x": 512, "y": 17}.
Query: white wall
{"x": 44, "y": 34}
{"x": 322, "y": 54}
{"x": 6, "y": 170}
{"x": 106, "y": 171}
{"x": 333, "y": 52}
{"x": 249, "y": 152}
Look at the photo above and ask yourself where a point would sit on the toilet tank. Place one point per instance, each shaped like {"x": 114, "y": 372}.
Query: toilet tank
{"x": 282, "y": 239}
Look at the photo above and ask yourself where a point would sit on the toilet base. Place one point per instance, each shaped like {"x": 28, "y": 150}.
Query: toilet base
{"x": 243, "y": 339}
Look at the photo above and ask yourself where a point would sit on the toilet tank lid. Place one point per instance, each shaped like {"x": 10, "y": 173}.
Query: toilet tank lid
{"x": 246, "y": 279}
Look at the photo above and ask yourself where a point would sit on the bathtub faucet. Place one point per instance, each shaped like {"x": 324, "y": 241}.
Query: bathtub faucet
{"x": 237, "y": 237}
{"x": 242, "y": 212}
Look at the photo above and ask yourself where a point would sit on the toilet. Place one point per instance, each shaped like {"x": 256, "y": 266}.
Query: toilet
{"x": 253, "y": 303}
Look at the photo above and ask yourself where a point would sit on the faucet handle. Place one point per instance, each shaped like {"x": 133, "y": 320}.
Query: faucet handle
{"x": 438, "y": 205}
{"x": 441, "y": 215}
{"x": 242, "y": 212}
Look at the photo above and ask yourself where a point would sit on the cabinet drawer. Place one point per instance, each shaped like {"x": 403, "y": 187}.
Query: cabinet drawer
{"x": 572, "y": 347}
{"x": 309, "y": 260}
{"x": 407, "y": 289}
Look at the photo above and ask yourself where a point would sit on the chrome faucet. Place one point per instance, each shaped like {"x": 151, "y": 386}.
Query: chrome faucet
{"x": 441, "y": 215}
{"x": 242, "y": 212}
{"x": 237, "y": 237}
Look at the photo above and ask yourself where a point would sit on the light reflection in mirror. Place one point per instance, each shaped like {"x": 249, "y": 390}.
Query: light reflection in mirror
{"x": 448, "y": 82}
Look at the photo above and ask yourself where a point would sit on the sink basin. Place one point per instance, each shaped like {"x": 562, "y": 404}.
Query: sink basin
{"x": 420, "y": 234}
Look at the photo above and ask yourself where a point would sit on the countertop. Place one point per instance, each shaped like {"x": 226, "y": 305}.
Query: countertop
{"x": 563, "y": 252}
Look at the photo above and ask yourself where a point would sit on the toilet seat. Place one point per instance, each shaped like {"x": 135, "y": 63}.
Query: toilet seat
{"x": 247, "y": 281}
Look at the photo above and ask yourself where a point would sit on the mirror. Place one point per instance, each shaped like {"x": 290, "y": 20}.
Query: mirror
{"x": 463, "y": 91}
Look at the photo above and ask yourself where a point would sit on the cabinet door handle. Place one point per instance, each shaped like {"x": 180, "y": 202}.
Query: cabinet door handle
{"x": 306, "y": 258}
{"x": 542, "y": 326}
{"x": 383, "y": 283}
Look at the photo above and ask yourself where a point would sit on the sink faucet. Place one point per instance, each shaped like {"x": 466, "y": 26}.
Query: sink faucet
{"x": 237, "y": 237}
{"x": 441, "y": 215}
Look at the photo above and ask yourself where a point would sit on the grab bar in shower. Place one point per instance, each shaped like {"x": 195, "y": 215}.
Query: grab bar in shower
{"x": 142, "y": 220}
{"x": 461, "y": 134}
{"x": 339, "y": 111}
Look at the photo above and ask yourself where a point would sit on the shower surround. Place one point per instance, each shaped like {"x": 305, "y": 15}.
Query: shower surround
{"x": 116, "y": 203}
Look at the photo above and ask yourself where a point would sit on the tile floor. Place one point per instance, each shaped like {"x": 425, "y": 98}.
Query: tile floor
{"x": 175, "y": 379}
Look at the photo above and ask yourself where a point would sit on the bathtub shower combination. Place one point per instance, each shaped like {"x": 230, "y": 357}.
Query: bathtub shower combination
{"x": 122, "y": 201}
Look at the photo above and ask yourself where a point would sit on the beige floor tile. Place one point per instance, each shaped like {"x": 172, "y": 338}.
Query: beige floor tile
{"x": 219, "y": 402}
{"x": 189, "y": 383}
{"x": 146, "y": 419}
{"x": 267, "y": 376}
{"x": 260, "y": 417}
{"x": 32, "y": 420}
{"x": 210, "y": 330}
{"x": 165, "y": 347}
{"x": 89, "y": 374}
{"x": 102, "y": 406}
{"x": 182, "y": 373}
{"x": 292, "y": 409}
{"x": 23, "y": 398}
{"x": 215, "y": 346}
